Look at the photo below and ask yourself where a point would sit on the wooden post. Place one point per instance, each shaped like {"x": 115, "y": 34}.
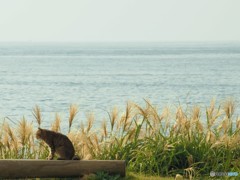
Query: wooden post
{"x": 58, "y": 168}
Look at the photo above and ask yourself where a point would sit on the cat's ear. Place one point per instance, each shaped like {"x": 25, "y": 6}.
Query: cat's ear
{"x": 39, "y": 128}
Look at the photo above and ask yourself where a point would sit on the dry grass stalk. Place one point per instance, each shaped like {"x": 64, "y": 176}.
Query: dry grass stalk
{"x": 238, "y": 123}
{"x": 82, "y": 128}
{"x": 190, "y": 172}
{"x": 212, "y": 114}
{"x": 104, "y": 128}
{"x": 124, "y": 123}
{"x": 226, "y": 140}
{"x": 196, "y": 113}
{"x": 143, "y": 111}
{"x": 229, "y": 108}
{"x": 37, "y": 115}
{"x": 129, "y": 109}
{"x": 153, "y": 112}
{"x": 113, "y": 117}
{"x": 85, "y": 148}
{"x": 210, "y": 138}
{"x": 5, "y": 141}
{"x": 210, "y": 109}
{"x": 180, "y": 115}
{"x": 199, "y": 127}
{"x": 72, "y": 113}
{"x": 14, "y": 141}
{"x": 76, "y": 138}
{"x": 22, "y": 130}
{"x": 179, "y": 177}
{"x": 97, "y": 145}
{"x": 168, "y": 147}
{"x": 90, "y": 118}
{"x": 234, "y": 141}
{"x": 131, "y": 133}
{"x": 25, "y": 131}
{"x": 154, "y": 119}
{"x": 128, "y": 112}
{"x": 181, "y": 121}
{"x": 217, "y": 143}
{"x": 165, "y": 115}
{"x": 56, "y": 123}
{"x": 225, "y": 125}
{"x": 195, "y": 124}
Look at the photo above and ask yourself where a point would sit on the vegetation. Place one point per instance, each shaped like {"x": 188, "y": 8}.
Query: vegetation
{"x": 190, "y": 142}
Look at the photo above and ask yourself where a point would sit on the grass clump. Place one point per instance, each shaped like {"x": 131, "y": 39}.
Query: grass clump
{"x": 191, "y": 142}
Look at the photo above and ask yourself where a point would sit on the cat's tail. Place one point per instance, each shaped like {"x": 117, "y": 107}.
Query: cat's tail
{"x": 76, "y": 157}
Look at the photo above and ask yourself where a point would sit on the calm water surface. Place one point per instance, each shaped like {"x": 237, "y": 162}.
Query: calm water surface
{"x": 98, "y": 76}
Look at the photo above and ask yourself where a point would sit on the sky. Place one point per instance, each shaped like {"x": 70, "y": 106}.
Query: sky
{"x": 119, "y": 20}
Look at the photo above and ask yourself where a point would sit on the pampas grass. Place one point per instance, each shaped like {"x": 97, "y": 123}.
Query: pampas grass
{"x": 73, "y": 110}
{"x": 90, "y": 121}
{"x": 56, "y": 124}
{"x": 37, "y": 114}
{"x": 152, "y": 141}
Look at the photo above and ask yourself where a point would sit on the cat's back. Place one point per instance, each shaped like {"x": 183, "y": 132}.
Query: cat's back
{"x": 56, "y": 138}
{"x": 61, "y": 139}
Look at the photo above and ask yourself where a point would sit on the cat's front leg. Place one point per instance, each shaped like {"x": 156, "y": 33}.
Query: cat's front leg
{"x": 51, "y": 154}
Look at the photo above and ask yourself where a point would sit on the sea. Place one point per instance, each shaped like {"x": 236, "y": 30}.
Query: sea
{"x": 100, "y": 76}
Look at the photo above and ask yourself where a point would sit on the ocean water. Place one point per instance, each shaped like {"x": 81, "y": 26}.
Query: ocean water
{"x": 99, "y": 76}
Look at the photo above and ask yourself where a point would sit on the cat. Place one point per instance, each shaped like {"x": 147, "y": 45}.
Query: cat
{"x": 58, "y": 143}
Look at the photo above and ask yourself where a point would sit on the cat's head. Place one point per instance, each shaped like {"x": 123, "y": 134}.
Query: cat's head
{"x": 39, "y": 133}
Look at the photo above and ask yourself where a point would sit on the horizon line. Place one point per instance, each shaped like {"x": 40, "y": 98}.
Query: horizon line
{"x": 120, "y": 42}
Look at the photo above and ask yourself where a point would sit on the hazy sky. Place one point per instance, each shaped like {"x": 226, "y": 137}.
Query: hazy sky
{"x": 119, "y": 20}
